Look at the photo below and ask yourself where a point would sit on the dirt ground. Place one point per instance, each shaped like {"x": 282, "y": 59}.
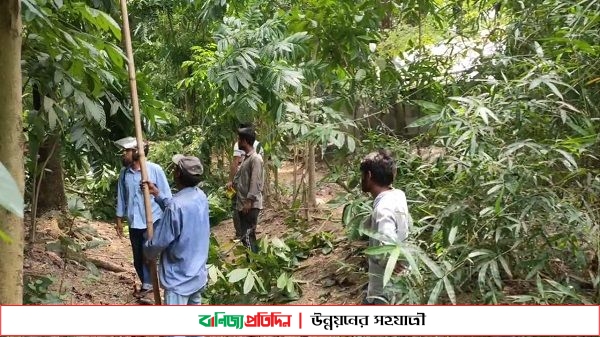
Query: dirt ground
{"x": 334, "y": 278}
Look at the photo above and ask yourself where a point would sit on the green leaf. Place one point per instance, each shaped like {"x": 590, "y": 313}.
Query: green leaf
{"x": 479, "y": 253}
{"x": 505, "y": 266}
{"x": 233, "y": 83}
{"x": 553, "y": 88}
{"x": 95, "y": 111}
{"x": 351, "y": 144}
{"x": 237, "y": 274}
{"x": 108, "y": 22}
{"x": 429, "y": 106}
{"x": 212, "y": 273}
{"x": 424, "y": 121}
{"x": 452, "y": 235}
{"x": 449, "y": 290}
{"x": 435, "y": 293}
{"x": 482, "y": 276}
{"x": 570, "y": 162}
{"x": 377, "y": 250}
{"x": 360, "y": 75}
{"x": 10, "y": 197}
{"x": 249, "y": 283}
{"x": 391, "y": 264}
{"x": 494, "y": 189}
{"x": 282, "y": 281}
{"x": 431, "y": 264}
{"x": 290, "y": 286}
{"x": 496, "y": 273}
{"x": 33, "y": 8}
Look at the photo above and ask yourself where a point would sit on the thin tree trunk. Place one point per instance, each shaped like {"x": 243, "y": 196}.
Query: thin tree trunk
{"x": 295, "y": 168}
{"x": 52, "y": 187}
{"x": 11, "y": 149}
{"x": 267, "y": 180}
{"x": 312, "y": 180}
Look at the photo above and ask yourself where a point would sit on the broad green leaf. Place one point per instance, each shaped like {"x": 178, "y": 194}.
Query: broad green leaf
{"x": 110, "y": 23}
{"x": 10, "y": 197}
{"x": 479, "y": 253}
{"x": 452, "y": 235}
{"x": 233, "y": 83}
{"x": 538, "y": 49}
{"x": 483, "y": 112}
{"x": 360, "y": 75}
{"x": 496, "y": 273}
{"x": 95, "y": 111}
{"x": 449, "y": 290}
{"x": 494, "y": 189}
{"x": 570, "y": 162}
{"x": 553, "y": 88}
{"x": 424, "y": 121}
{"x": 377, "y": 250}
{"x": 282, "y": 281}
{"x": 435, "y": 293}
{"x": 351, "y": 144}
{"x": 32, "y": 7}
{"x": 481, "y": 278}
{"x": 391, "y": 264}
{"x": 429, "y": 106}
{"x": 290, "y": 285}
{"x": 505, "y": 266}
{"x": 237, "y": 274}
{"x": 249, "y": 283}
{"x": 431, "y": 264}
{"x": 212, "y": 273}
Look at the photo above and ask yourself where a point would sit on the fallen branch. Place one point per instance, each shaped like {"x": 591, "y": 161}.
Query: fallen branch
{"x": 107, "y": 265}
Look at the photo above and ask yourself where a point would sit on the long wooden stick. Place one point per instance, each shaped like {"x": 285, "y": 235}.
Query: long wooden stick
{"x": 135, "y": 104}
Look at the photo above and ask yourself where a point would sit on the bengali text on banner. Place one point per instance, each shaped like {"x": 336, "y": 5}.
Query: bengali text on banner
{"x": 305, "y": 320}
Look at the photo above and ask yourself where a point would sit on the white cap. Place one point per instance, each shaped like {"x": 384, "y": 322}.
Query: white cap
{"x": 127, "y": 143}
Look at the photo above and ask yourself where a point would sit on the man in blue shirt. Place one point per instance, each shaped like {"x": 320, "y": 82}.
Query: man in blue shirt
{"x": 130, "y": 204}
{"x": 182, "y": 235}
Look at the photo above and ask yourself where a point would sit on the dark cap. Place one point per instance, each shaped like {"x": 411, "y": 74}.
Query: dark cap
{"x": 189, "y": 164}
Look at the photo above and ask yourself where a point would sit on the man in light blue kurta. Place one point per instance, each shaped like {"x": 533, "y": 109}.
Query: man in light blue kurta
{"x": 130, "y": 204}
{"x": 182, "y": 235}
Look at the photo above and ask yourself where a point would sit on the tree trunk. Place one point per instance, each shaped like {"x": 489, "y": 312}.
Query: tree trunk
{"x": 52, "y": 187}
{"x": 312, "y": 181}
{"x": 11, "y": 148}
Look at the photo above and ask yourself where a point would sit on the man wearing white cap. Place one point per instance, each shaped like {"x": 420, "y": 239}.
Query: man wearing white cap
{"x": 182, "y": 236}
{"x": 130, "y": 204}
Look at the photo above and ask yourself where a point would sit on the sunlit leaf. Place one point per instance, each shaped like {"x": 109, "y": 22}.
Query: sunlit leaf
{"x": 10, "y": 198}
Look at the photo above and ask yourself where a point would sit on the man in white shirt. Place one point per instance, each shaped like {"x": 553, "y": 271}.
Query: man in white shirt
{"x": 238, "y": 156}
{"x": 390, "y": 220}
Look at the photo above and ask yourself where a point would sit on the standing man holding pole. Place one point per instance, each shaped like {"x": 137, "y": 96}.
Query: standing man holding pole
{"x": 137, "y": 119}
{"x": 182, "y": 236}
{"x": 130, "y": 204}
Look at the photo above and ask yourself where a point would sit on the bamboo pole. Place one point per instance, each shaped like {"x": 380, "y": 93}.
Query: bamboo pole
{"x": 140, "y": 142}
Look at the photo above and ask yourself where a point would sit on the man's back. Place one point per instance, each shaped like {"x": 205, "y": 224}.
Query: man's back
{"x": 390, "y": 223}
{"x": 184, "y": 260}
{"x": 390, "y": 219}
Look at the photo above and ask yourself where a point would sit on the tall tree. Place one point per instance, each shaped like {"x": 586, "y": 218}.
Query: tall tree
{"x": 11, "y": 153}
